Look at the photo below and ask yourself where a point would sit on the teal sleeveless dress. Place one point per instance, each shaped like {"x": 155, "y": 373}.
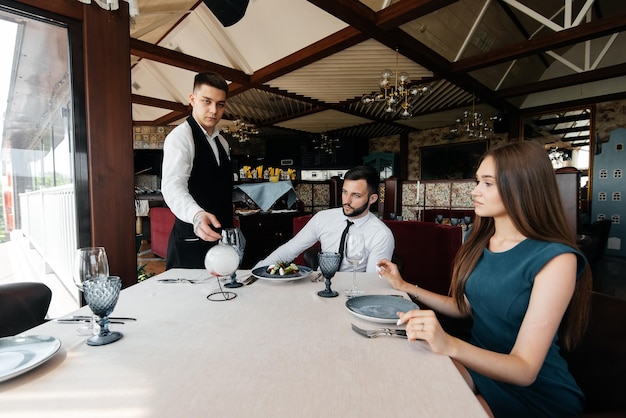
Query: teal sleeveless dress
{"x": 499, "y": 292}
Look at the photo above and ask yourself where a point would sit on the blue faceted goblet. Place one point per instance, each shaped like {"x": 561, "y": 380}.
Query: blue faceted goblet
{"x": 329, "y": 264}
{"x": 101, "y": 295}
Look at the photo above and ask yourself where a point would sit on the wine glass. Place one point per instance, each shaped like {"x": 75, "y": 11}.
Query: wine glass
{"x": 354, "y": 253}
{"x": 467, "y": 220}
{"x": 439, "y": 219}
{"x": 221, "y": 260}
{"x": 230, "y": 236}
{"x": 89, "y": 263}
{"x": 329, "y": 264}
{"x": 101, "y": 294}
{"x": 454, "y": 221}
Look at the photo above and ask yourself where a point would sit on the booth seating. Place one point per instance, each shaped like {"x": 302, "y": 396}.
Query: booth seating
{"x": 427, "y": 251}
{"x": 161, "y": 223}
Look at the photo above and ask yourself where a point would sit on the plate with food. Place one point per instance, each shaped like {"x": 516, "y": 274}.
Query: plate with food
{"x": 281, "y": 272}
{"x": 379, "y": 308}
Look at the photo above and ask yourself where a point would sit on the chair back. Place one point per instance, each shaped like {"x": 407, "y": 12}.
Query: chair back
{"x": 23, "y": 306}
{"x": 598, "y": 363}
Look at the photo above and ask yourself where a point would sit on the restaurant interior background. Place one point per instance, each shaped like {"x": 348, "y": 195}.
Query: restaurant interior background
{"x": 303, "y": 86}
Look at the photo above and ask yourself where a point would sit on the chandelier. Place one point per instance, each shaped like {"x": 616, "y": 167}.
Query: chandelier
{"x": 473, "y": 125}
{"x": 243, "y": 130}
{"x": 396, "y": 92}
{"x": 325, "y": 144}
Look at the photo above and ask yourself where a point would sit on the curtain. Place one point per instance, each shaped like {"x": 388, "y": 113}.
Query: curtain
{"x": 133, "y": 9}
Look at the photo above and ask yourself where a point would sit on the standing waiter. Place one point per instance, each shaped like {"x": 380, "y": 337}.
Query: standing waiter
{"x": 197, "y": 176}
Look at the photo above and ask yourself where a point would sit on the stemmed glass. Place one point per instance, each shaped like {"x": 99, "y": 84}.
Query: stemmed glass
{"x": 221, "y": 260}
{"x": 467, "y": 220}
{"x": 354, "y": 253}
{"x": 329, "y": 264}
{"x": 89, "y": 263}
{"x": 230, "y": 236}
{"x": 101, "y": 294}
{"x": 439, "y": 219}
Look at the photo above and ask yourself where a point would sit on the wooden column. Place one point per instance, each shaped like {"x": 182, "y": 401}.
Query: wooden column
{"x": 103, "y": 137}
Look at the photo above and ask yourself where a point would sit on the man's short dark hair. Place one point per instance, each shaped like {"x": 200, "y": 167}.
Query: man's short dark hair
{"x": 211, "y": 78}
{"x": 367, "y": 173}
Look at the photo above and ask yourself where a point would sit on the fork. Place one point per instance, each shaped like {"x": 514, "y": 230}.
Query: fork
{"x": 380, "y": 332}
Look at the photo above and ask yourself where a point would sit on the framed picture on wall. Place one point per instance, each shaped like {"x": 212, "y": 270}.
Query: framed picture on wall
{"x": 451, "y": 161}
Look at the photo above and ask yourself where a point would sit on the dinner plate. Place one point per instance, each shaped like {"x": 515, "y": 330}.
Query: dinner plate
{"x": 20, "y": 354}
{"x": 379, "y": 308}
{"x": 261, "y": 273}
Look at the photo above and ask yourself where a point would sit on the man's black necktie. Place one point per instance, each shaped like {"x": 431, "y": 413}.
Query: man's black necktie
{"x": 221, "y": 151}
{"x": 342, "y": 243}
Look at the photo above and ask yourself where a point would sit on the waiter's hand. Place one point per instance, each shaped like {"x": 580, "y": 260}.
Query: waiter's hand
{"x": 202, "y": 223}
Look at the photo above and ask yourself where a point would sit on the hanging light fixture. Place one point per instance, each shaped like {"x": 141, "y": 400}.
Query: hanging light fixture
{"x": 473, "y": 125}
{"x": 243, "y": 130}
{"x": 326, "y": 144}
{"x": 397, "y": 93}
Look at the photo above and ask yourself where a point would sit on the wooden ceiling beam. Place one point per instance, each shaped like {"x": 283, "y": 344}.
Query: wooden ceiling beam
{"x": 161, "y": 104}
{"x": 178, "y": 59}
{"x": 403, "y": 12}
{"x": 564, "y": 81}
{"x": 580, "y": 33}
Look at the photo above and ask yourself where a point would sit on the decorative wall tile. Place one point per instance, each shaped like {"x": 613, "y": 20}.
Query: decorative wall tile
{"x": 461, "y": 195}
{"x": 305, "y": 193}
{"x": 438, "y": 194}
{"x": 321, "y": 195}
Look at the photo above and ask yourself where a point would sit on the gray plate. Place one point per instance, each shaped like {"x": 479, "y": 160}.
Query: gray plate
{"x": 261, "y": 273}
{"x": 379, "y": 308}
{"x": 23, "y": 353}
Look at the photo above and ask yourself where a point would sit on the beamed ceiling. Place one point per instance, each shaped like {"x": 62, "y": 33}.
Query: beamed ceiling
{"x": 300, "y": 67}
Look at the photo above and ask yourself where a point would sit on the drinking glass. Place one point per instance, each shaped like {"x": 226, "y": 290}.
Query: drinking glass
{"x": 439, "y": 219}
{"x": 221, "y": 260}
{"x": 101, "y": 294}
{"x": 467, "y": 220}
{"x": 329, "y": 264}
{"x": 230, "y": 236}
{"x": 89, "y": 263}
{"x": 454, "y": 221}
{"x": 354, "y": 252}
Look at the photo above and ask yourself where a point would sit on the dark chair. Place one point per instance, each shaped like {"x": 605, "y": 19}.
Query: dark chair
{"x": 598, "y": 363}
{"x": 23, "y": 306}
{"x": 599, "y": 232}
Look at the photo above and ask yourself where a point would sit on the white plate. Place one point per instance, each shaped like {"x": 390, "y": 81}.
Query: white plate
{"x": 379, "y": 308}
{"x": 20, "y": 354}
{"x": 261, "y": 273}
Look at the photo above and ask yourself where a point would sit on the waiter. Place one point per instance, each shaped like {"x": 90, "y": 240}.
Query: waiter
{"x": 197, "y": 176}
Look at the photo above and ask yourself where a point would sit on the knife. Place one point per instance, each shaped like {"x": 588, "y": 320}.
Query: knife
{"x": 78, "y": 320}
{"x": 118, "y": 318}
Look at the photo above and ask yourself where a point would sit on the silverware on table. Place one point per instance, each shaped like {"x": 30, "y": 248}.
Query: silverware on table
{"x": 249, "y": 280}
{"x": 380, "y": 332}
{"x": 117, "y": 318}
{"x": 181, "y": 280}
{"x": 80, "y": 320}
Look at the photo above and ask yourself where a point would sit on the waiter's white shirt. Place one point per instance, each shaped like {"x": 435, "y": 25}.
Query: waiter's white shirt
{"x": 178, "y": 154}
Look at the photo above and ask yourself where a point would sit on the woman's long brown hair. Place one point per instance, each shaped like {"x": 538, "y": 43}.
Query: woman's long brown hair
{"x": 530, "y": 194}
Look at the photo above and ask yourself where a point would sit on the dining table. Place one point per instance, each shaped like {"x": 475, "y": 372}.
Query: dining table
{"x": 275, "y": 350}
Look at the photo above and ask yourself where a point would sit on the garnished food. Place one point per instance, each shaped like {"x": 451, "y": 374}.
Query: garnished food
{"x": 282, "y": 268}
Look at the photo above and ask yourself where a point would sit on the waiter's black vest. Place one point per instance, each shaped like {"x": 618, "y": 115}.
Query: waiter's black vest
{"x": 211, "y": 187}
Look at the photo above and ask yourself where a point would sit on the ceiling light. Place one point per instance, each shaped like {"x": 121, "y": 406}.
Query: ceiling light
{"x": 398, "y": 93}
{"x": 241, "y": 130}
{"x": 473, "y": 125}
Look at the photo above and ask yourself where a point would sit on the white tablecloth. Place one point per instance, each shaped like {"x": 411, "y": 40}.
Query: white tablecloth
{"x": 276, "y": 350}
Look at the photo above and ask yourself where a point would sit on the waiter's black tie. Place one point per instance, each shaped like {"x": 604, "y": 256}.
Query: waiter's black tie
{"x": 221, "y": 152}
{"x": 342, "y": 243}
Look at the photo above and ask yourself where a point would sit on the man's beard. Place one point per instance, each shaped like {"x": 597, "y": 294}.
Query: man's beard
{"x": 357, "y": 211}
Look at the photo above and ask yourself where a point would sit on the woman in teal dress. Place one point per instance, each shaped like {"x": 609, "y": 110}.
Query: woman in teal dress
{"x": 524, "y": 283}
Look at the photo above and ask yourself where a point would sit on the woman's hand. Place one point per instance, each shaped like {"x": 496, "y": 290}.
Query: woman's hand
{"x": 389, "y": 270}
{"x": 424, "y": 325}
